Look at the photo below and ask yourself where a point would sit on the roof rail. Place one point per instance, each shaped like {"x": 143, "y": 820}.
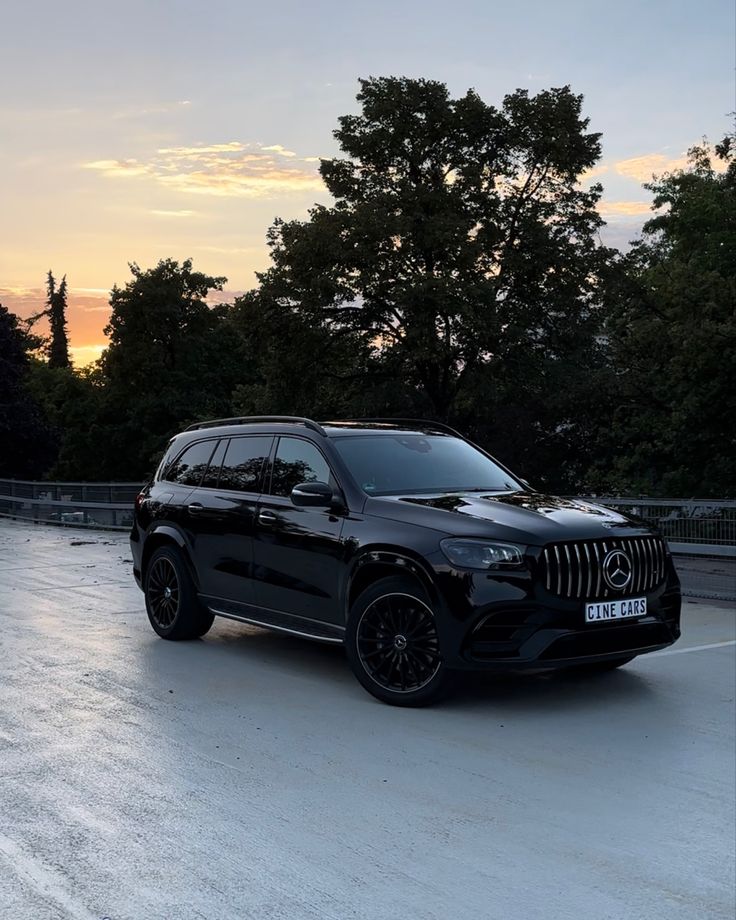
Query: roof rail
{"x": 410, "y": 423}
{"x": 255, "y": 419}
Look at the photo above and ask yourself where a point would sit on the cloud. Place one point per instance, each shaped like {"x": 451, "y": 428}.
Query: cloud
{"x": 593, "y": 173}
{"x": 624, "y": 208}
{"x": 162, "y": 213}
{"x": 119, "y": 168}
{"x": 277, "y": 148}
{"x": 644, "y": 167}
{"x": 231, "y": 169}
{"x": 183, "y": 153}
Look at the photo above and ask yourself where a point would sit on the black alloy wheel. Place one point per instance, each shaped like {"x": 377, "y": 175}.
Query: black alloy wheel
{"x": 398, "y": 644}
{"x": 163, "y": 592}
{"x": 393, "y": 646}
{"x": 174, "y": 610}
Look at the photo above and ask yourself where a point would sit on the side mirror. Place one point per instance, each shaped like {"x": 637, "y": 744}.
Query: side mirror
{"x": 312, "y": 495}
{"x": 526, "y": 484}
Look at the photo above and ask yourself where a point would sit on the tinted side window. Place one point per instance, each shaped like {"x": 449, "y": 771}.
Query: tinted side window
{"x": 190, "y": 466}
{"x": 210, "y": 478}
{"x": 244, "y": 461}
{"x": 297, "y": 461}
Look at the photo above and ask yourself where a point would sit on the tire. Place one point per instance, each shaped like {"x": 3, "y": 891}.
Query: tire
{"x": 392, "y": 644}
{"x": 601, "y": 667}
{"x": 173, "y": 608}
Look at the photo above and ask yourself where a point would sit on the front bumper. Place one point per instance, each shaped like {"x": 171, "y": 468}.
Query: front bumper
{"x": 512, "y": 623}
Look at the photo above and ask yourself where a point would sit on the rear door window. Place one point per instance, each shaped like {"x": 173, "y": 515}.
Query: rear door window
{"x": 244, "y": 461}
{"x": 212, "y": 476}
{"x": 189, "y": 467}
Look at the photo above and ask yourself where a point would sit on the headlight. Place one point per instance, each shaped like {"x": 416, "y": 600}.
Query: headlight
{"x": 482, "y": 554}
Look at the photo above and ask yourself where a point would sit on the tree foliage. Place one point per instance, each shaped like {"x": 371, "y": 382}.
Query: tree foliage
{"x": 26, "y": 438}
{"x": 457, "y": 275}
{"x": 461, "y": 252}
{"x": 673, "y": 340}
{"x": 170, "y": 361}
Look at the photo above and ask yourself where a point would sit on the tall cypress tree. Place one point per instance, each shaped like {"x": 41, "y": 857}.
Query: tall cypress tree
{"x": 56, "y": 312}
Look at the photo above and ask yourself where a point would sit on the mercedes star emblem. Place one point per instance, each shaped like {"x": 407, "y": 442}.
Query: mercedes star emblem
{"x": 617, "y": 569}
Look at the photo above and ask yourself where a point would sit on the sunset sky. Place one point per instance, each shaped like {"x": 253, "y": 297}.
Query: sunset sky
{"x": 133, "y": 131}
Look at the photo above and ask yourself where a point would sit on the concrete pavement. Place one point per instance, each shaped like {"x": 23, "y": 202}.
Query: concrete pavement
{"x": 248, "y": 775}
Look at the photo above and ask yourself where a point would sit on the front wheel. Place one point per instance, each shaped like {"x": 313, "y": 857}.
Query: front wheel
{"x": 392, "y": 644}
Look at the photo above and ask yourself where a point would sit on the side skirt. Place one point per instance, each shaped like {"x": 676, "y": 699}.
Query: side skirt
{"x": 276, "y": 620}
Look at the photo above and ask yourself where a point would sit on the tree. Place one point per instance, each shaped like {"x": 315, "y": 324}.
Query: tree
{"x": 27, "y": 442}
{"x": 58, "y": 347}
{"x": 461, "y": 245}
{"x": 171, "y": 360}
{"x": 290, "y": 365}
{"x": 673, "y": 340}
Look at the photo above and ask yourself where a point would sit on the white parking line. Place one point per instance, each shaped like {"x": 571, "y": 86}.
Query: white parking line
{"x": 692, "y": 648}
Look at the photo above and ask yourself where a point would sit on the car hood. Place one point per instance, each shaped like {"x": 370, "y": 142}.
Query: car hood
{"x": 529, "y": 517}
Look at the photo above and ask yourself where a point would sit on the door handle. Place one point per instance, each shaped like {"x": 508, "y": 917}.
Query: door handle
{"x": 266, "y": 517}
{"x": 195, "y": 508}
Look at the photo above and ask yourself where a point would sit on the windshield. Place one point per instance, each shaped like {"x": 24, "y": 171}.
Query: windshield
{"x": 411, "y": 463}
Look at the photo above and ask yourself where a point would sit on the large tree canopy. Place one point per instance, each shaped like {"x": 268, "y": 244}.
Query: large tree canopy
{"x": 673, "y": 340}
{"x": 460, "y": 236}
{"x": 457, "y": 275}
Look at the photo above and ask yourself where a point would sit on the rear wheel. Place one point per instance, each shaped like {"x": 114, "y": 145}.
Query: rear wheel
{"x": 392, "y": 644}
{"x": 173, "y": 608}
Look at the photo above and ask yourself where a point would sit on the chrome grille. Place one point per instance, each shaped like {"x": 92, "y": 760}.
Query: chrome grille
{"x": 575, "y": 570}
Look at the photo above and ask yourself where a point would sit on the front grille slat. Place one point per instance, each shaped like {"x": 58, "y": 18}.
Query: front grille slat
{"x": 589, "y": 582}
{"x": 638, "y": 567}
{"x": 559, "y": 570}
{"x": 580, "y": 571}
{"x": 575, "y": 570}
{"x": 599, "y": 574}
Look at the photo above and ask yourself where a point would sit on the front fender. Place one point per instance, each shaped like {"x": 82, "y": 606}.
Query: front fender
{"x": 373, "y": 562}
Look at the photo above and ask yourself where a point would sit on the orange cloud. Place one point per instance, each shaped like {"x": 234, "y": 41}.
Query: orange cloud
{"x": 593, "y": 173}
{"x": 230, "y": 169}
{"x": 643, "y": 168}
{"x": 624, "y": 208}
{"x": 115, "y": 168}
{"x": 163, "y": 213}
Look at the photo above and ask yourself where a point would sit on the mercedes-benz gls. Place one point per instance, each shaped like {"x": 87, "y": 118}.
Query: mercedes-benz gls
{"x": 401, "y": 540}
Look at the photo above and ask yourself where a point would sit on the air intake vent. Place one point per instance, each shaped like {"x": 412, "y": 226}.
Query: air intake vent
{"x": 575, "y": 570}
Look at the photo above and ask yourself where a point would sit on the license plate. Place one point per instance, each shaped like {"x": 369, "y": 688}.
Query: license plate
{"x": 601, "y": 611}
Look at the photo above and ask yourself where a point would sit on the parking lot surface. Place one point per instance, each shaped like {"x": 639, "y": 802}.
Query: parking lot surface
{"x": 247, "y": 775}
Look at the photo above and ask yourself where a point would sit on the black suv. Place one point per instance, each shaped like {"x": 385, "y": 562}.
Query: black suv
{"x": 401, "y": 540}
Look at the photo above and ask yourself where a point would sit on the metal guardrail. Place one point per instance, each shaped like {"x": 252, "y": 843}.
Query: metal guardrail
{"x": 81, "y": 504}
{"x": 708, "y": 522}
{"x": 701, "y": 533}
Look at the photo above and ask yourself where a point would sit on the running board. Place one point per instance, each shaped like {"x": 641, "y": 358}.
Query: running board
{"x": 283, "y": 622}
